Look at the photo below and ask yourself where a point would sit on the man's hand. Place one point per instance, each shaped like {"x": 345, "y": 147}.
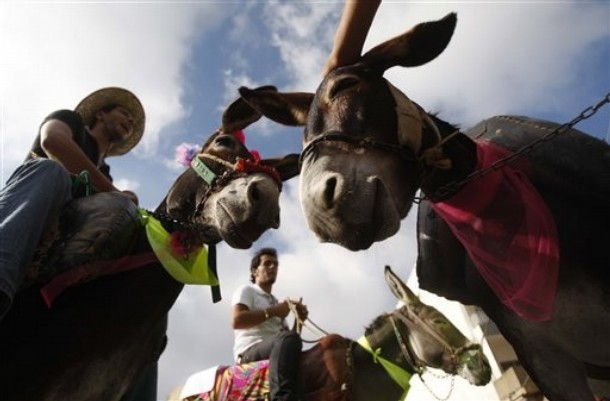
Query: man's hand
{"x": 301, "y": 309}
{"x": 280, "y": 310}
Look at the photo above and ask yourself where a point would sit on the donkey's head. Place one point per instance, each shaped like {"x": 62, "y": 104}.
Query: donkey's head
{"x": 229, "y": 194}
{"x": 430, "y": 339}
{"x": 363, "y": 139}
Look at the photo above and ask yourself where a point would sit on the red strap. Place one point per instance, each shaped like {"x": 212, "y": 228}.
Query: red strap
{"x": 89, "y": 271}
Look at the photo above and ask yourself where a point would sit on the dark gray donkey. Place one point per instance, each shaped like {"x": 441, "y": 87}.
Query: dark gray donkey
{"x": 368, "y": 149}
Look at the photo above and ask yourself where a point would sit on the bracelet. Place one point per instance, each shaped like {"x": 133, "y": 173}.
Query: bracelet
{"x": 266, "y": 314}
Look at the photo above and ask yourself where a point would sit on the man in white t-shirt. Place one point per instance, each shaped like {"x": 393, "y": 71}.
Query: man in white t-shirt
{"x": 261, "y": 332}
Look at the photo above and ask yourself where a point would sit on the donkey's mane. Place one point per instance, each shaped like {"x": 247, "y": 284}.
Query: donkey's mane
{"x": 378, "y": 322}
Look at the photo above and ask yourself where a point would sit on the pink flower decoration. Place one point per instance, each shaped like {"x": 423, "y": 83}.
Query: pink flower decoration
{"x": 185, "y": 153}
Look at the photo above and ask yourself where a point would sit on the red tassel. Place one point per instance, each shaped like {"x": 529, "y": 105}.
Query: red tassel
{"x": 182, "y": 243}
{"x": 241, "y": 136}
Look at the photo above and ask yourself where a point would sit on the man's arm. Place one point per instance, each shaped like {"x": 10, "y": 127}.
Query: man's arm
{"x": 56, "y": 140}
{"x": 244, "y": 318}
{"x": 351, "y": 33}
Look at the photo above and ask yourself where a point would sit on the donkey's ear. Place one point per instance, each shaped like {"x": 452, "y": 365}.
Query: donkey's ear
{"x": 287, "y": 166}
{"x": 421, "y": 44}
{"x": 400, "y": 289}
{"x": 239, "y": 114}
{"x": 284, "y": 108}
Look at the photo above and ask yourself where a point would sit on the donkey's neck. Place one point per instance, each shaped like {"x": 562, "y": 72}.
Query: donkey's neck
{"x": 371, "y": 381}
{"x": 457, "y": 149}
{"x": 206, "y": 235}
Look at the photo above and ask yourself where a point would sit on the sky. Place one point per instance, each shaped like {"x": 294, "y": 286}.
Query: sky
{"x": 185, "y": 61}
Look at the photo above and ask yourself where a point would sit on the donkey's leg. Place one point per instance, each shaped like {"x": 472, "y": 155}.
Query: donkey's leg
{"x": 557, "y": 374}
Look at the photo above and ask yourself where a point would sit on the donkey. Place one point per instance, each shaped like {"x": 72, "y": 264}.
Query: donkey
{"x": 98, "y": 337}
{"x": 378, "y": 366}
{"x": 367, "y": 151}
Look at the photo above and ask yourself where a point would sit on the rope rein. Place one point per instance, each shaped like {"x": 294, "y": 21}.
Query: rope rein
{"x": 308, "y": 323}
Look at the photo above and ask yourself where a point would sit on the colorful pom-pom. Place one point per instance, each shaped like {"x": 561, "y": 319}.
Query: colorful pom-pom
{"x": 182, "y": 243}
{"x": 185, "y": 153}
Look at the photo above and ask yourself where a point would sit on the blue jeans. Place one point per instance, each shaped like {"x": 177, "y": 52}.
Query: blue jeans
{"x": 35, "y": 192}
{"x": 284, "y": 353}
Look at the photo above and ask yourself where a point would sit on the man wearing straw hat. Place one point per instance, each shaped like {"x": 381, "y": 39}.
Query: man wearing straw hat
{"x": 108, "y": 122}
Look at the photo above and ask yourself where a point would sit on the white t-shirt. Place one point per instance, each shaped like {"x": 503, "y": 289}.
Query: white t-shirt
{"x": 253, "y": 297}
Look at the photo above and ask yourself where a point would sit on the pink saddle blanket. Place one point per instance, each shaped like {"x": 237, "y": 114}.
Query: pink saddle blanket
{"x": 246, "y": 382}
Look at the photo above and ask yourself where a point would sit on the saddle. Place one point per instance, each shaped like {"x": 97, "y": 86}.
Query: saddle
{"x": 325, "y": 368}
{"x": 100, "y": 227}
{"x": 570, "y": 162}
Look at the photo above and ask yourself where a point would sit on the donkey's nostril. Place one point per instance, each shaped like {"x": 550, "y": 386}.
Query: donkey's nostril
{"x": 329, "y": 192}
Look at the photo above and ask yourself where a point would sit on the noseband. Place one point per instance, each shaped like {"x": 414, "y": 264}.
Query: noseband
{"x": 216, "y": 181}
{"x": 335, "y": 136}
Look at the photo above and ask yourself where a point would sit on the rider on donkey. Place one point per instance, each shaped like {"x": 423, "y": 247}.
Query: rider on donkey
{"x": 108, "y": 122}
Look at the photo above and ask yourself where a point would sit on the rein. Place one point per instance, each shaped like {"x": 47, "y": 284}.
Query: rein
{"x": 306, "y": 323}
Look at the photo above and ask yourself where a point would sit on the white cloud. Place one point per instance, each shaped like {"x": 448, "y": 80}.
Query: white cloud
{"x": 504, "y": 58}
{"x": 55, "y": 54}
{"x": 125, "y": 184}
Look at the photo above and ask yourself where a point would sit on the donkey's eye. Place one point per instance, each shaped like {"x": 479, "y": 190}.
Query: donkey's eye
{"x": 342, "y": 85}
{"x": 225, "y": 141}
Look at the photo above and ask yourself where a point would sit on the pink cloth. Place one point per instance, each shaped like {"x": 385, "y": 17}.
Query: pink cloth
{"x": 246, "y": 382}
{"x": 90, "y": 271}
{"x": 508, "y": 232}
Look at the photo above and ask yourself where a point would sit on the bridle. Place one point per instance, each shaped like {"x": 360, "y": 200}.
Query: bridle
{"x": 216, "y": 180}
{"x": 410, "y": 354}
{"x": 335, "y": 136}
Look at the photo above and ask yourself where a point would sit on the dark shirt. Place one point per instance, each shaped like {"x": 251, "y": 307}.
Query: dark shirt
{"x": 80, "y": 135}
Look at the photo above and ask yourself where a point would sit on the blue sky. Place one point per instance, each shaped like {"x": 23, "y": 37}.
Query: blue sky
{"x": 185, "y": 61}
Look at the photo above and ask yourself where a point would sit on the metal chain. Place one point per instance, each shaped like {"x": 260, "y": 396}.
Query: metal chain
{"x": 450, "y": 391}
{"x": 585, "y": 114}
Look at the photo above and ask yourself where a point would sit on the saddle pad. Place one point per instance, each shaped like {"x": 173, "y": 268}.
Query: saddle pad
{"x": 95, "y": 228}
{"x": 199, "y": 383}
{"x": 246, "y": 382}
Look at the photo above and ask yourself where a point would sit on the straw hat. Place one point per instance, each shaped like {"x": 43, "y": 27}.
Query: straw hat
{"x": 89, "y": 106}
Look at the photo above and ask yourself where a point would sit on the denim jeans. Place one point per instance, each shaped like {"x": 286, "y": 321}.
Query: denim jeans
{"x": 35, "y": 192}
{"x": 284, "y": 354}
